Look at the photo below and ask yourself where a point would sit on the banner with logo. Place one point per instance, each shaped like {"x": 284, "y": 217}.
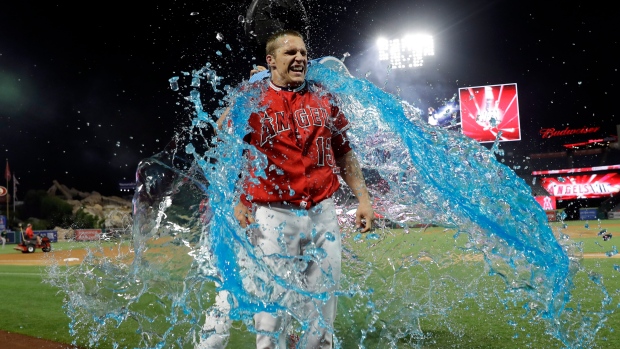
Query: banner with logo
{"x": 582, "y": 187}
{"x": 548, "y": 203}
{"x": 50, "y": 234}
{"x": 87, "y": 234}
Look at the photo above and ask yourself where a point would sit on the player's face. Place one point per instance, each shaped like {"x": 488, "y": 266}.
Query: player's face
{"x": 289, "y": 62}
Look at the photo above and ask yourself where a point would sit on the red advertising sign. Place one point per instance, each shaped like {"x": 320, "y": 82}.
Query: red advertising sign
{"x": 546, "y": 202}
{"x": 487, "y": 111}
{"x": 552, "y": 132}
{"x": 87, "y": 234}
{"x": 577, "y": 170}
{"x": 584, "y": 186}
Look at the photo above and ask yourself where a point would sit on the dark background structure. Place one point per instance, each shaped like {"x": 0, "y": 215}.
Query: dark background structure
{"x": 84, "y": 92}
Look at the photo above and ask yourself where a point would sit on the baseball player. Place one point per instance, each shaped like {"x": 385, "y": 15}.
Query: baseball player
{"x": 303, "y": 136}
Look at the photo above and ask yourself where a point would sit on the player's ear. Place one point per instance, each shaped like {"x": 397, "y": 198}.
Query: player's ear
{"x": 271, "y": 61}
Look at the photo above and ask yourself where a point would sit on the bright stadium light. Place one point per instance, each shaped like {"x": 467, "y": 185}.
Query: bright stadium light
{"x": 407, "y": 52}
{"x": 383, "y": 44}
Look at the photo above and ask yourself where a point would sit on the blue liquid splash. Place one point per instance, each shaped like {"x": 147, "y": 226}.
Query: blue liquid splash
{"x": 187, "y": 245}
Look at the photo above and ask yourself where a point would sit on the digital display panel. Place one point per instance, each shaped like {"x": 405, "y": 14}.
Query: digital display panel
{"x": 490, "y": 112}
{"x": 582, "y": 186}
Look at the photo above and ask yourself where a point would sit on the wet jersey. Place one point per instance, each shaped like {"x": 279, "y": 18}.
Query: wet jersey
{"x": 302, "y": 134}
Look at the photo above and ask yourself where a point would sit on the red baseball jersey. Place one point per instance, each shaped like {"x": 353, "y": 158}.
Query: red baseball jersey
{"x": 302, "y": 134}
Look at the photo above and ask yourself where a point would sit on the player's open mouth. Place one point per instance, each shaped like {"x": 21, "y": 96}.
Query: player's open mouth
{"x": 297, "y": 69}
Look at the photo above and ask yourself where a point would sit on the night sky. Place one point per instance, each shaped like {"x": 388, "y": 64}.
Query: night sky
{"x": 84, "y": 92}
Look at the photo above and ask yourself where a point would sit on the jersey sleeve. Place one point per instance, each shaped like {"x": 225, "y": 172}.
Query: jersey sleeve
{"x": 340, "y": 142}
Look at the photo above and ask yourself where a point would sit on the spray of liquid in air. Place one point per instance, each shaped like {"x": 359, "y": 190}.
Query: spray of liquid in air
{"x": 501, "y": 258}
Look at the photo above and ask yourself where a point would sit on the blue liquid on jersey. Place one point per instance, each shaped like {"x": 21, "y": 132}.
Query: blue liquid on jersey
{"x": 434, "y": 176}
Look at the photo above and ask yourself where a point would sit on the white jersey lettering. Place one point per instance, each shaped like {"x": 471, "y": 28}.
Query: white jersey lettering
{"x": 301, "y": 117}
{"x": 282, "y": 122}
{"x": 267, "y": 130}
{"x": 324, "y": 152}
{"x": 319, "y": 116}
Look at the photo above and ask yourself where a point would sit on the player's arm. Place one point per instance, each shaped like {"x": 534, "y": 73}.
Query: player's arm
{"x": 242, "y": 213}
{"x": 352, "y": 175}
{"x": 220, "y": 120}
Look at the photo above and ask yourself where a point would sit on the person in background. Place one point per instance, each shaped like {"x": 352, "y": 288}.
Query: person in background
{"x": 30, "y": 234}
{"x": 3, "y": 237}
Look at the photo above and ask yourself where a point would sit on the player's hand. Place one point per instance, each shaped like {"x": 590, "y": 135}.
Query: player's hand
{"x": 243, "y": 215}
{"x": 257, "y": 69}
{"x": 364, "y": 217}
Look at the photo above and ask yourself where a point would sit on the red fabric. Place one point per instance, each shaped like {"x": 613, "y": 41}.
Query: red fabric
{"x": 302, "y": 134}
{"x": 29, "y": 233}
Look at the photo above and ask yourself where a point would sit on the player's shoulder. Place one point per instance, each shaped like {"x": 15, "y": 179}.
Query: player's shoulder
{"x": 316, "y": 86}
{"x": 320, "y": 90}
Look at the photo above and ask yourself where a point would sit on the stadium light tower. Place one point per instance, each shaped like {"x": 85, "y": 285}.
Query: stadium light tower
{"x": 407, "y": 52}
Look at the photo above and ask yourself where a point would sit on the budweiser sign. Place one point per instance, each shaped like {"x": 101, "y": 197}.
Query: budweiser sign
{"x": 552, "y": 132}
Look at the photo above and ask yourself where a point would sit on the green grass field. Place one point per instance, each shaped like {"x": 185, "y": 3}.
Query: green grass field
{"x": 483, "y": 319}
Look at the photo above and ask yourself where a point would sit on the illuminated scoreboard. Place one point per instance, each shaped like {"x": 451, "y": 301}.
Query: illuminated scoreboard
{"x": 581, "y": 183}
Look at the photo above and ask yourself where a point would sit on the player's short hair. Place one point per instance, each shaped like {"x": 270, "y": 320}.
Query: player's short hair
{"x": 272, "y": 41}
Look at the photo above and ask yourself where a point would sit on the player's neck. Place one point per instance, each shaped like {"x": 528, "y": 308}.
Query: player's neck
{"x": 289, "y": 88}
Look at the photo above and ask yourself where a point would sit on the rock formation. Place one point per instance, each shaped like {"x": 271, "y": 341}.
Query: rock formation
{"x": 115, "y": 210}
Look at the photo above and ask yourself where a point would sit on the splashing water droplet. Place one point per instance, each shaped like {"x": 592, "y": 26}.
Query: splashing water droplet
{"x": 191, "y": 259}
{"x": 174, "y": 85}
